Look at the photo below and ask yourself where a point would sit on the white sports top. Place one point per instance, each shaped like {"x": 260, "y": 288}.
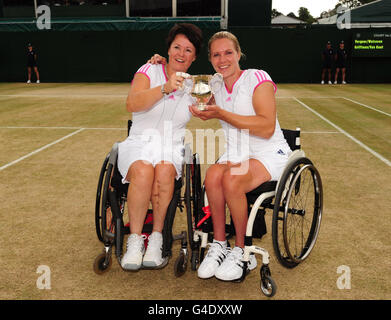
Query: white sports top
{"x": 239, "y": 101}
{"x": 169, "y": 114}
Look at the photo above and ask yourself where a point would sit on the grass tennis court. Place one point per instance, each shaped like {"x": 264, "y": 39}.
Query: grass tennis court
{"x": 54, "y": 138}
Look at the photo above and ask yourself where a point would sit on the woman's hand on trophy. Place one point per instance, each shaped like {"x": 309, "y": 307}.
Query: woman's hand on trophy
{"x": 175, "y": 82}
{"x": 209, "y": 112}
{"x": 157, "y": 59}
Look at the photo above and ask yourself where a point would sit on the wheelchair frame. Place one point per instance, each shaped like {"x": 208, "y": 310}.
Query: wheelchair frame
{"x": 282, "y": 191}
{"x": 199, "y": 226}
{"x": 110, "y": 206}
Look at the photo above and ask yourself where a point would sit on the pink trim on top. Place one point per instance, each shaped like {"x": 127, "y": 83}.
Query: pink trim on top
{"x": 229, "y": 92}
{"x": 275, "y": 86}
{"x": 261, "y": 76}
{"x": 143, "y": 70}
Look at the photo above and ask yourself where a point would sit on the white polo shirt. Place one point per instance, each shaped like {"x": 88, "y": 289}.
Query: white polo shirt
{"x": 158, "y": 133}
{"x": 240, "y": 145}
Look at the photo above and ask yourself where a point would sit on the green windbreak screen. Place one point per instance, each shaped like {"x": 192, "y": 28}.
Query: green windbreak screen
{"x": 107, "y": 24}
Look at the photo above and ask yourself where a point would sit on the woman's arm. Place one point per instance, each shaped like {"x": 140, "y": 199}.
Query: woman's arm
{"x": 141, "y": 97}
{"x": 262, "y": 124}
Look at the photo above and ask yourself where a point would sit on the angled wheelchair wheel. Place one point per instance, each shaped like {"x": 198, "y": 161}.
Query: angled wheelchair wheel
{"x": 193, "y": 203}
{"x": 107, "y": 219}
{"x": 297, "y": 212}
{"x": 98, "y": 215}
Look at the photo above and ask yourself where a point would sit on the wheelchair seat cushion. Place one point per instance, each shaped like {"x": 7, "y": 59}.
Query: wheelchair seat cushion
{"x": 264, "y": 187}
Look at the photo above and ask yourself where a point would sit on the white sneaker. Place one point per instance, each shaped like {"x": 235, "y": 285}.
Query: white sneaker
{"x": 28, "y": 81}
{"x": 38, "y": 81}
{"x": 232, "y": 268}
{"x": 335, "y": 82}
{"x": 330, "y": 82}
{"x": 322, "y": 82}
{"x": 343, "y": 82}
{"x": 134, "y": 252}
{"x": 213, "y": 259}
{"x": 153, "y": 256}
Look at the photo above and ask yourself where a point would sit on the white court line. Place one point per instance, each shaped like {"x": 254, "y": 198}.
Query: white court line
{"x": 40, "y": 149}
{"x": 321, "y": 132}
{"x": 311, "y": 97}
{"x": 366, "y": 106}
{"x": 377, "y": 155}
{"x": 14, "y": 127}
{"x": 70, "y": 95}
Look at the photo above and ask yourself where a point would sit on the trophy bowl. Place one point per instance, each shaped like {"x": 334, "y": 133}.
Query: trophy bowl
{"x": 201, "y": 90}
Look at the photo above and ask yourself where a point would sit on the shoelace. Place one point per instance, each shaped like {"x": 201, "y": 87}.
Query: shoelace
{"x": 235, "y": 256}
{"x": 134, "y": 242}
{"x": 216, "y": 251}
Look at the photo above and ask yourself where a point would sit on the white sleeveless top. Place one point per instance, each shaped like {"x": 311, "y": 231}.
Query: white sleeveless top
{"x": 239, "y": 101}
{"x": 172, "y": 111}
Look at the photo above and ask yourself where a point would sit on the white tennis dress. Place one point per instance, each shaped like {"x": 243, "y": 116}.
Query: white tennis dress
{"x": 240, "y": 145}
{"x": 157, "y": 134}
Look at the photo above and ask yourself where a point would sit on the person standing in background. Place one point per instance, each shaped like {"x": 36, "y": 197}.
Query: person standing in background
{"x": 327, "y": 58}
{"x": 340, "y": 62}
{"x": 32, "y": 63}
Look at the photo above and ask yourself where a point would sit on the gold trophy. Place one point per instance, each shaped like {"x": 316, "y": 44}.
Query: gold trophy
{"x": 203, "y": 87}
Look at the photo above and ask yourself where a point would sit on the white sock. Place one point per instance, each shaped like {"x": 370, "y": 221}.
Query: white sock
{"x": 222, "y": 243}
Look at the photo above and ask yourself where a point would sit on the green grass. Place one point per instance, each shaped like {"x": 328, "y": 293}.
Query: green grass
{"x": 47, "y": 200}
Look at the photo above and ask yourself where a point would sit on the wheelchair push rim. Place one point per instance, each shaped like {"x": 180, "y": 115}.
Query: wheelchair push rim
{"x": 98, "y": 216}
{"x": 297, "y": 212}
{"x": 302, "y": 217}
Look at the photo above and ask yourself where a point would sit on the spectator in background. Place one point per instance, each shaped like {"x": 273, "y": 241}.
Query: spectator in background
{"x": 32, "y": 63}
{"x": 327, "y": 58}
{"x": 340, "y": 62}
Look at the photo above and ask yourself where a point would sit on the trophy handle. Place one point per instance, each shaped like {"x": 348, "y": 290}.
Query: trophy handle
{"x": 216, "y": 82}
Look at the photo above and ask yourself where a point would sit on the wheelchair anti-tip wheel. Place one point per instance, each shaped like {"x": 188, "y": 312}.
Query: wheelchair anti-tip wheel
{"x": 297, "y": 212}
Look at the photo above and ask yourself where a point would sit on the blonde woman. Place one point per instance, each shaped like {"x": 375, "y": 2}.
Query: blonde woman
{"x": 256, "y": 151}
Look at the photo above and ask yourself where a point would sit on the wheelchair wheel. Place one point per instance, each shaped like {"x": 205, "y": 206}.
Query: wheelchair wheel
{"x": 297, "y": 212}
{"x": 102, "y": 263}
{"x": 193, "y": 194}
{"x": 180, "y": 265}
{"x": 107, "y": 219}
{"x": 267, "y": 284}
{"x": 98, "y": 216}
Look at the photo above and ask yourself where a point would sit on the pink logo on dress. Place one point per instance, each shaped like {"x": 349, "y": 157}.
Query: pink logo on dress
{"x": 171, "y": 97}
{"x": 228, "y": 99}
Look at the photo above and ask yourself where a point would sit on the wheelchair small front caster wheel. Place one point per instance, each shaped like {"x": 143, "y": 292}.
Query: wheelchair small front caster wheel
{"x": 101, "y": 264}
{"x": 180, "y": 265}
{"x": 268, "y": 286}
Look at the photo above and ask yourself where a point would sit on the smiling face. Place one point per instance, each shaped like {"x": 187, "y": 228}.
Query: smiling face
{"x": 181, "y": 53}
{"x": 224, "y": 57}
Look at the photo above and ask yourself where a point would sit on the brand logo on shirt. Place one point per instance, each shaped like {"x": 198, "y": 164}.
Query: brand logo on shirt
{"x": 281, "y": 152}
{"x": 228, "y": 99}
{"x": 171, "y": 97}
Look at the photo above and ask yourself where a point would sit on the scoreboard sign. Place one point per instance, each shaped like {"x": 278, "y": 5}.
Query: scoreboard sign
{"x": 371, "y": 44}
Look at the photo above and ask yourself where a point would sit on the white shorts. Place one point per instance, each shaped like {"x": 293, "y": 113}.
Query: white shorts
{"x": 274, "y": 161}
{"x": 150, "y": 149}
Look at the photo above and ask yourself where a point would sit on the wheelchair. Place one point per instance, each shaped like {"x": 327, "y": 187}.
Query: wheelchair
{"x": 110, "y": 209}
{"x": 296, "y": 202}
